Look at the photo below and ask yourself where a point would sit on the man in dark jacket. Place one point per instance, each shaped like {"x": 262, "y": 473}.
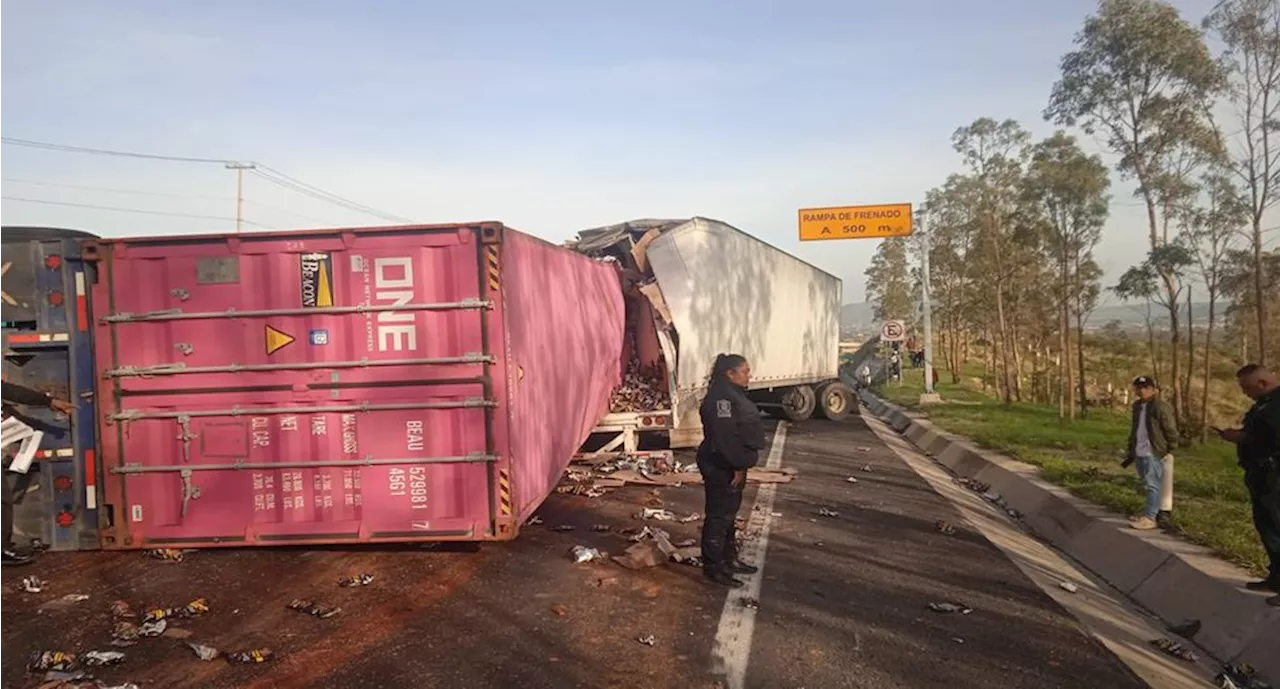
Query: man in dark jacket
{"x": 14, "y": 394}
{"x": 733, "y": 436}
{"x": 1258, "y": 451}
{"x": 1152, "y": 435}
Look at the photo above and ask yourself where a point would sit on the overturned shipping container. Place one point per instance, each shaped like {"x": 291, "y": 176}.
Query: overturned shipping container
{"x": 376, "y": 384}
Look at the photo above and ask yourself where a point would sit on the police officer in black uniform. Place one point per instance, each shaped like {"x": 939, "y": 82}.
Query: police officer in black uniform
{"x": 13, "y": 395}
{"x": 733, "y": 436}
{"x": 1258, "y": 449}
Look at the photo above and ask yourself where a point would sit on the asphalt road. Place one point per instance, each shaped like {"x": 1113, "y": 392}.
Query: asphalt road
{"x": 843, "y": 601}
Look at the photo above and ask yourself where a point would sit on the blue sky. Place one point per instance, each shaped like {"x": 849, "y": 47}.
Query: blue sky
{"x": 551, "y": 117}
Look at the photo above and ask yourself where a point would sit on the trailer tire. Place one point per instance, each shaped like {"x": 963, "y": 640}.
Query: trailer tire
{"x": 798, "y": 403}
{"x": 835, "y": 401}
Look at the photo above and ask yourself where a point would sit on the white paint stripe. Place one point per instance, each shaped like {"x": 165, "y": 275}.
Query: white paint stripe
{"x": 732, "y": 649}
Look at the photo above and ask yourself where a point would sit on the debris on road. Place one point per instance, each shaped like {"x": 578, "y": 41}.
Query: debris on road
{"x": 945, "y": 527}
{"x": 563, "y": 527}
{"x": 153, "y": 628}
{"x": 204, "y": 652}
{"x": 602, "y": 582}
{"x": 1241, "y": 676}
{"x": 352, "y": 582}
{"x": 257, "y": 655}
{"x": 1186, "y": 628}
{"x": 647, "y": 640}
{"x": 324, "y": 612}
{"x": 1175, "y": 649}
{"x": 559, "y": 610}
{"x": 686, "y": 543}
{"x": 691, "y": 517}
{"x": 533, "y": 521}
{"x": 657, "y": 514}
{"x": 58, "y": 679}
{"x": 950, "y": 607}
{"x": 601, "y": 528}
{"x": 582, "y": 553}
{"x": 864, "y": 449}
{"x": 1068, "y": 587}
{"x": 177, "y": 633}
{"x": 828, "y": 512}
{"x": 866, "y": 468}
{"x": 851, "y": 480}
{"x": 51, "y": 660}
{"x": 991, "y": 496}
{"x": 642, "y": 555}
{"x": 95, "y": 658}
{"x": 64, "y": 602}
{"x": 125, "y": 634}
{"x": 32, "y": 584}
{"x": 750, "y": 603}
{"x": 122, "y": 609}
{"x": 198, "y": 606}
{"x": 167, "y": 554}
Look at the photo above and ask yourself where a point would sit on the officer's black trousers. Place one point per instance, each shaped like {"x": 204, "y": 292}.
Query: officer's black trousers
{"x": 719, "y": 540}
{"x": 1264, "y": 494}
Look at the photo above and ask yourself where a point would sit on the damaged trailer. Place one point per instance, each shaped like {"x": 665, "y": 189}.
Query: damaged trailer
{"x": 383, "y": 384}
{"x": 695, "y": 288}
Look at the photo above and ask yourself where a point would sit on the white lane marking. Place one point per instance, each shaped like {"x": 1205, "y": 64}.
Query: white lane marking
{"x": 732, "y": 649}
{"x": 1104, "y": 612}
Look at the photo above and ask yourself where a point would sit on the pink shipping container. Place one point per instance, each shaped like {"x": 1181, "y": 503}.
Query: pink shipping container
{"x": 385, "y": 384}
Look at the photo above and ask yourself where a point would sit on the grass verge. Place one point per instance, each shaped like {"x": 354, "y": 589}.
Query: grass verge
{"x": 1211, "y": 505}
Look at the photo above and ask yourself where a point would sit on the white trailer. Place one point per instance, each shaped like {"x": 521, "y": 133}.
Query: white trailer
{"x": 698, "y": 287}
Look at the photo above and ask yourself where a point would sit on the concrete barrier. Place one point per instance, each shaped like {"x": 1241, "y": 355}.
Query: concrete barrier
{"x": 1175, "y": 580}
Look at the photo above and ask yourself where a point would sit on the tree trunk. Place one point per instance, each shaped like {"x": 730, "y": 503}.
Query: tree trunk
{"x": 1064, "y": 359}
{"x": 1006, "y": 389}
{"x": 1191, "y": 358}
{"x": 1084, "y": 399}
{"x": 1260, "y": 305}
{"x": 1175, "y": 342}
{"x": 1208, "y": 350}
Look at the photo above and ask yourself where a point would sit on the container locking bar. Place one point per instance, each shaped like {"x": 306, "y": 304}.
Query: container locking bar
{"x": 180, "y": 368}
{"x": 138, "y": 414}
{"x": 180, "y": 315}
{"x": 186, "y": 469}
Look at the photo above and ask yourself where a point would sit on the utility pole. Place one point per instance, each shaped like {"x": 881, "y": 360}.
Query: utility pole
{"x": 929, "y": 395}
{"x": 240, "y": 168}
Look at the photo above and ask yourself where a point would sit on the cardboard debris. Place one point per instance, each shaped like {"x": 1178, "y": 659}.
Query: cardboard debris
{"x": 632, "y": 477}
{"x": 641, "y": 555}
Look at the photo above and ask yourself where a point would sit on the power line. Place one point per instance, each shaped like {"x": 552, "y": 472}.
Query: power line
{"x": 119, "y": 209}
{"x": 263, "y": 171}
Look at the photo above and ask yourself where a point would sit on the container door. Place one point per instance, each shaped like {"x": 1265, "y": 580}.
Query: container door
{"x": 299, "y": 388}
{"x": 48, "y": 347}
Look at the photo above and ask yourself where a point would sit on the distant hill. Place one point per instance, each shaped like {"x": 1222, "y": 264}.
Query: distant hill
{"x": 859, "y": 319}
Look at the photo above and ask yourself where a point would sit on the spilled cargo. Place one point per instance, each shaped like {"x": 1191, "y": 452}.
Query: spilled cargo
{"x": 412, "y": 383}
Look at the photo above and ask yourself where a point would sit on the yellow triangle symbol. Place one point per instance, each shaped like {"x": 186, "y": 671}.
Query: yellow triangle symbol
{"x": 276, "y": 340}
{"x": 324, "y": 291}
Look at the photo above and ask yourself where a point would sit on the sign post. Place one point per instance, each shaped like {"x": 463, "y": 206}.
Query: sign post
{"x": 873, "y": 222}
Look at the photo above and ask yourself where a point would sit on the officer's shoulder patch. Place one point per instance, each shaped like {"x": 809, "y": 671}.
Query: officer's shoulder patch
{"x": 724, "y": 409}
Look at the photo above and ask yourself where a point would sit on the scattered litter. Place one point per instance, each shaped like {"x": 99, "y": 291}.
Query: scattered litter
{"x": 693, "y": 517}
{"x": 601, "y": 528}
{"x": 950, "y": 607}
{"x": 352, "y": 582}
{"x": 1013, "y": 513}
{"x": 153, "y": 628}
{"x": 866, "y": 468}
{"x": 642, "y": 555}
{"x": 601, "y": 582}
{"x": 204, "y": 652}
{"x": 122, "y": 609}
{"x": 851, "y": 480}
{"x": 533, "y": 521}
{"x": 991, "y": 496}
{"x": 124, "y": 634}
{"x": 686, "y": 543}
{"x": 324, "y": 612}
{"x": 563, "y": 527}
{"x": 582, "y": 553}
{"x": 864, "y": 449}
{"x": 688, "y": 555}
{"x": 820, "y": 544}
{"x": 657, "y": 514}
{"x": 64, "y": 602}
{"x": 1175, "y": 649}
{"x": 125, "y": 685}
{"x": 750, "y": 603}
{"x": 945, "y": 527}
{"x": 94, "y": 658}
{"x": 178, "y": 633}
{"x": 38, "y": 545}
{"x": 1186, "y": 628}
{"x": 33, "y": 584}
{"x": 1241, "y": 676}
{"x": 167, "y": 554}
{"x": 828, "y": 512}
{"x": 559, "y": 610}
{"x": 775, "y": 515}
{"x": 1068, "y": 587}
{"x": 198, "y": 606}
{"x": 58, "y": 679}
{"x": 957, "y": 639}
{"x": 647, "y": 640}
{"x": 257, "y": 655}
{"x": 595, "y": 492}
{"x": 51, "y": 660}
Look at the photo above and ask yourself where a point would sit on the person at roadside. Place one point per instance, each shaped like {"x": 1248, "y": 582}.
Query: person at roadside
{"x": 1151, "y": 436}
{"x": 733, "y": 436}
{"x": 14, "y": 394}
{"x": 1258, "y": 451}
{"x": 864, "y": 376}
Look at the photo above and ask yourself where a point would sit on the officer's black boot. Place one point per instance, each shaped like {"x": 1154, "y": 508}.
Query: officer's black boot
{"x": 721, "y": 576}
{"x": 740, "y": 567}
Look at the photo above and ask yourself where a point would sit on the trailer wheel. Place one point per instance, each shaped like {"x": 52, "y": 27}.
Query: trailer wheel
{"x": 835, "y": 401}
{"x": 799, "y": 402}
